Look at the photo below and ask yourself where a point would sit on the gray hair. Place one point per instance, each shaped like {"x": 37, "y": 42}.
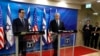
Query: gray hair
{"x": 57, "y": 14}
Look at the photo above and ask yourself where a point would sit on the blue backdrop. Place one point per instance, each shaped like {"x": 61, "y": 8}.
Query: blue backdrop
{"x": 68, "y": 16}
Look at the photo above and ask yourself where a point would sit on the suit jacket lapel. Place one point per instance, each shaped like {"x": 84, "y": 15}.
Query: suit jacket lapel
{"x": 20, "y": 22}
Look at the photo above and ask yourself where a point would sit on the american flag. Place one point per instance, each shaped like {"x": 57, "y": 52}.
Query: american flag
{"x": 1, "y": 31}
{"x": 35, "y": 26}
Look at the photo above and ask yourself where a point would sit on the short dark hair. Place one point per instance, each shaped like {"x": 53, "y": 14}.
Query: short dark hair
{"x": 19, "y": 11}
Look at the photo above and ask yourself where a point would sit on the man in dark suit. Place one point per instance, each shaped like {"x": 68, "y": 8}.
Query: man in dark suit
{"x": 56, "y": 25}
{"x": 20, "y": 24}
{"x": 87, "y": 28}
{"x": 95, "y": 35}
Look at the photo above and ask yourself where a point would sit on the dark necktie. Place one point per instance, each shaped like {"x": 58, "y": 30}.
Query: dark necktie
{"x": 23, "y": 22}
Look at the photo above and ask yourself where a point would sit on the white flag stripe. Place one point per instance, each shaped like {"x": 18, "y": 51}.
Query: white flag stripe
{"x": 1, "y": 36}
{"x": 44, "y": 21}
{"x": 35, "y": 39}
{"x": 1, "y": 33}
{"x": 9, "y": 8}
{"x": 29, "y": 20}
{"x": 35, "y": 28}
{"x": 2, "y": 41}
{"x": 28, "y": 11}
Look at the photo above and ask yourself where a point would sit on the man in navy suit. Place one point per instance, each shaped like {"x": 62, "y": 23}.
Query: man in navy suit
{"x": 95, "y": 35}
{"x": 55, "y": 26}
{"x": 87, "y": 28}
{"x": 20, "y": 24}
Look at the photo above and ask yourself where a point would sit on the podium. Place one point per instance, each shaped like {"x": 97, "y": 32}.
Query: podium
{"x": 61, "y": 32}
{"x": 17, "y": 34}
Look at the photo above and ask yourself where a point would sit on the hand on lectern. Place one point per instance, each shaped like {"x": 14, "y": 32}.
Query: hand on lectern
{"x": 23, "y": 33}
{"x": 50, "y": 32}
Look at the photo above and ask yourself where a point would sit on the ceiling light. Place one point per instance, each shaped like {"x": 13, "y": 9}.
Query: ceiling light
{"x": 98, "y": 1}
{"x": 95, "y": 13}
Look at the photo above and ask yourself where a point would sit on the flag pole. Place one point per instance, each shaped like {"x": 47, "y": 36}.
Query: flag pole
{"x": 59, "y": 44}
{"x": 49, "y": 21}
{"x": 40, "y": 46}
{"x": 73, "y": 44}
{"x": 16, "y": 45}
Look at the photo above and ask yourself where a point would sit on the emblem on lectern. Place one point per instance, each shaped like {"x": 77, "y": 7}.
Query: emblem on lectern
{"x": 67, "y": 40}
{"x": 30, "y": 44}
